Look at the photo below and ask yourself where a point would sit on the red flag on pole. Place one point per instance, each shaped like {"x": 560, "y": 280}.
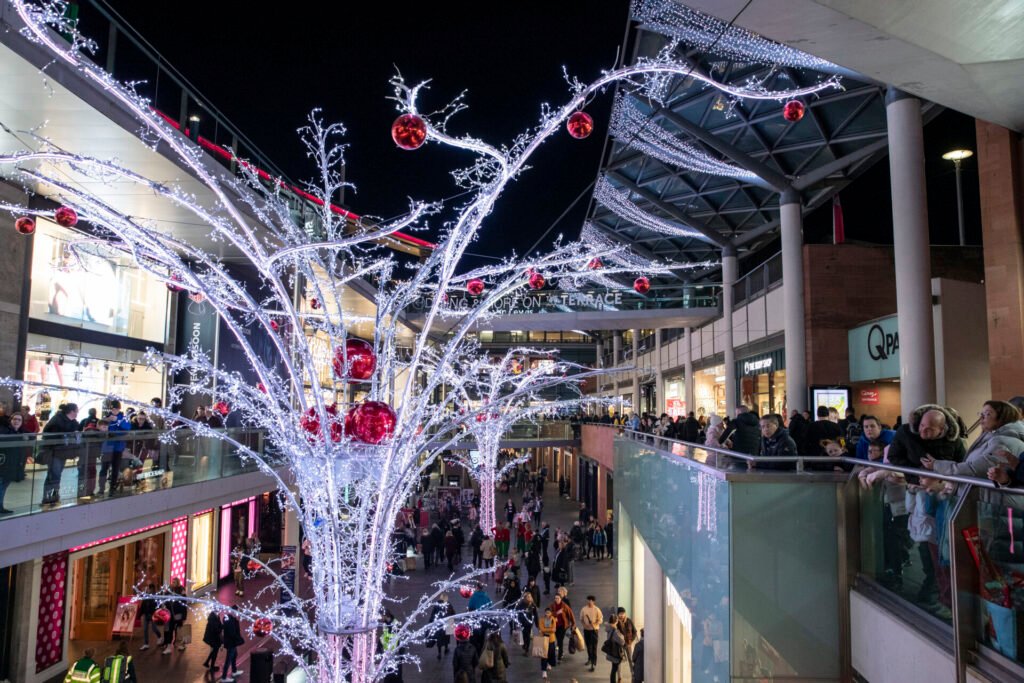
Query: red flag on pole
{"x": 838, "y": 229}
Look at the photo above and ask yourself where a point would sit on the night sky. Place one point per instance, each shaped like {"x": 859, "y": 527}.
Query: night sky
{"x": 265, "y": 70}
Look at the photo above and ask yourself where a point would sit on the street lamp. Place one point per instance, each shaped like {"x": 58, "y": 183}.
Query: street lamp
{"x": 956, "y": 156}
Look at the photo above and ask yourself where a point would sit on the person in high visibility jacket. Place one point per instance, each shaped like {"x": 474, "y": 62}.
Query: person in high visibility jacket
{"x": 85, "y": 670}
{"x": 119, "y": 667}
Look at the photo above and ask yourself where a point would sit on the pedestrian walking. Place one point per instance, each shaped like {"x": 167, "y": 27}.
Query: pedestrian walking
{"x": 213, "y": 637}
{"x": 591, "y": 619}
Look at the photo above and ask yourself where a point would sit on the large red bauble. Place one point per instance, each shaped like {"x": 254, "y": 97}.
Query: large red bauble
{"x": 466, "y": 591}
{"x": 475, "y": 287}
{"x": 580, "y": 125}
{"x": 793, "y": 110}
{"x": 409, "y": 131}
{"x": 274, "y": 325}
{"x": 262, "y": 627}
{"x": 253, "y": 565}
{"x": 373, "y": 422}
{"x": 172, "y": 284}
{"x": 642, "y": 285}
{"x": 595, "y": 263}
{"x": 361, "y": 360}
{"x": 161, "y": 616}
{"x": 463, "y": 632}
{"x": 26, "y": 225}
{"x": 65, "y": 217}
{"x": 536, "y": 281}
{"x": 314, "y": 303}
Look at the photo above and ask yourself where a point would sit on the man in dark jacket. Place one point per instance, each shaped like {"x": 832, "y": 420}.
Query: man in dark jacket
{"x": 822, "y": 429}
{"x": 64, "y": 421}
{"x": 212, "y": 637}
{"x": 465, "y": 658}
{"x": 797, "y": 427}
{"x": 775, "y": 442}
{"x": 232, "y": 641}
{"x": 691, "y": 429}
{"x": 932, "y": 430}
{"x": 744, "y": 432}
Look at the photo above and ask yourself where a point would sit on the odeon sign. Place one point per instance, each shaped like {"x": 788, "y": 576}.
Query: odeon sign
{"x": 531, "y": 303}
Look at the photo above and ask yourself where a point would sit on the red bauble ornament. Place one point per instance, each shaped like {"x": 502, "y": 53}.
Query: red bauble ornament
{"x": 222, "y": 407}
{"x": 475, "y": 286}
{"x": 537, "y": 281}
{"x": 793, "y": 110}
{"x": 274, "y": 325}
{"x": 262, "y": 387}
{"x": 65, "y": 217}
{"x": 361, "y": 360}
{"x": 310, "y": 422}
{"x": 595, "y": 263}
{"x": 253, "y": 566}
{"x": 580, "y": 125}
{"x": 161, "y": 616}
{"x": 26, "y": 225}
{"x": 463, "y": 632}
{"x": 466, "y": 591}
{"x": 373, "y": 422}
{"x": 262, "y": 627}
{"x": 642, "y": 285}
{"x": 314, "y": 303}
{"x": 198, "y": 297}
{"x": 409, "y": 131}
{"x": 172, "y": 285}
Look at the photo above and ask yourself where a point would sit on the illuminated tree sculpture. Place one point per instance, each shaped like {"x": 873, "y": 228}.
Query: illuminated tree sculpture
{"x": 345, "y": 468}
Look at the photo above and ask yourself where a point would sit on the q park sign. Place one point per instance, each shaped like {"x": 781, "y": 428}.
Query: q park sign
{"x": 875, "y": 350}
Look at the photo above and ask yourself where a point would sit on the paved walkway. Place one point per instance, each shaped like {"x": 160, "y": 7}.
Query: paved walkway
{"x": 591, "y": 577}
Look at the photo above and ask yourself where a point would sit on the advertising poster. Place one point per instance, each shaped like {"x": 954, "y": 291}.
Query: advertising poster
{"x": 124, "y": 617}
{"x": 287, "y": 572}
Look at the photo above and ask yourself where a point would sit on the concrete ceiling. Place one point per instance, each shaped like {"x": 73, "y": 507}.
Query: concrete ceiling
{"x": 967, "y": 56}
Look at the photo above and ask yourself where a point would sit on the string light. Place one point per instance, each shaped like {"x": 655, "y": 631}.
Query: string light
{"x": 636, "y": 129}
{"x": 619, "y": 203}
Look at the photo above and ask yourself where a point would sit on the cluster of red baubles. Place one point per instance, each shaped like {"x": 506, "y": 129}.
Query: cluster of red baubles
{"x": 371, "y": 422}
{"x": 409, "y": 131}
{"x": 65, "y": 217}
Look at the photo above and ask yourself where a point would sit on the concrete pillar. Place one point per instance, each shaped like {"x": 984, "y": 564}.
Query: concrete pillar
{"x": 636, "y": 371}
{"x": 599, "y": 349}
{"x": 729, "y": 272}
{"x": 616, "y": 348}
{"x": 793, "y": 300}
{"x": 660, "y": 405}
{"x": 689, "y": 385}
{"x": 1001, "y": 180}
{"x": 623, "y": 529}
{"x": 911, "y": 251}
{"x": 654, "y": 618}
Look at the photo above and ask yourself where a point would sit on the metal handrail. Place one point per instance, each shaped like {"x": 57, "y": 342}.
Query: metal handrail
{"x": 823, "y": 459}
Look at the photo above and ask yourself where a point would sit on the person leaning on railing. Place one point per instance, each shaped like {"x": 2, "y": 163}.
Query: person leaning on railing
{"x": 1002, "y": 432}
{"x": 933, "y": 431}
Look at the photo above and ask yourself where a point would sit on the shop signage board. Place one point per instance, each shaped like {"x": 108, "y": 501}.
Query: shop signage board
{"x": 288, "y": 575}
{"x": 869, "y": 397}
{"x": 875, "y": 350}
{"x": 675, "y": 407}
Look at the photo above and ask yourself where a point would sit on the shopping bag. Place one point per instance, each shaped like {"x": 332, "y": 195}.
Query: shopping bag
{"x": 578, "y": 637}
{"x": 539, "y": 646}
{"x": 185, "y": 634}
{"x": 449, "y": 626}
{"x": 487, "y": 659}
{"x": 517, "y": 637}
{"x": 572, "y": 645}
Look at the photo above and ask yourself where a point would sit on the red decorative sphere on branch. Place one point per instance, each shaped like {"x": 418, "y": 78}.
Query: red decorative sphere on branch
{"x": 314, "y": 303}
{"x": 642, "y": 285}
{"x": 580, "y": 125}
{"x": 361, "y": 360}
{"x": 537, "y": 281}
{"x": 409, "y": 131}
{"x": 463, "y": 632}
{"x": 253, "y": 566}
{"x": 793, "y": 110}
{"x": 172, "y": 284}
{"x": 373, "y": 422}
{"x": 466, "y": 591}
{"x": 475, "y": 286}
{"x": 274, "y": 325}
{"x": 595, "y": 263}
{"x": 26, "y": 225}
{"x": 262, "y": 627}
{"x": 65, "y": 217}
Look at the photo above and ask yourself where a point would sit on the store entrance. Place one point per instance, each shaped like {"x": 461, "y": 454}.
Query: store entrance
{"x": 103, "y": 579}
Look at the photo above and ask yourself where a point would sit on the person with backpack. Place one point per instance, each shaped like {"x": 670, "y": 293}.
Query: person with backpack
{"x": 614, "y": 647}
{"x": 85, "y": 670}
{"x": 119, "y": 667}
{"x": 494, "y": 661}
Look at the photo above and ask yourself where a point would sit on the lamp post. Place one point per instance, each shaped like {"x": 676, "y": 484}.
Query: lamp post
{"x": 956, "y": 156}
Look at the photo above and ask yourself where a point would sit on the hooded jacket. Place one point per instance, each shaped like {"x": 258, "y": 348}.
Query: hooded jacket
{"x": 907, "y": 447}
{"x": 746, "y": 434}
{"x": 982, "y": 453}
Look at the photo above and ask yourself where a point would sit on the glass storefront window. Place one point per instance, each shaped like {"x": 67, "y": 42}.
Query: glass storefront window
{"x": 85, "y": 374}
{"x": 709, "y": 391}
{"x": 201, "y": 549}
{"x": 94, "y": 288}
